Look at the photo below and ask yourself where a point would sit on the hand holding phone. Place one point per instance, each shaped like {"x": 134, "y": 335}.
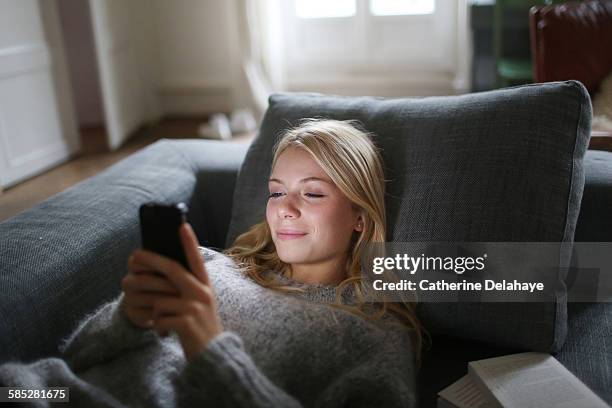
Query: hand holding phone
{"x": 170, "y": 300}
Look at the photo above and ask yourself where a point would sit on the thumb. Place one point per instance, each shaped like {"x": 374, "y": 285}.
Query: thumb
{"x": 194, "y": 259}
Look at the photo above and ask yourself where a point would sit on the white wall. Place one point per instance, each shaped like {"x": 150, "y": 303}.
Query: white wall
{"x": 125, "y": 50}
{"x": 196, "y": 46}
{"x": 146, "y": 44}
{"x": 81, "y": 58}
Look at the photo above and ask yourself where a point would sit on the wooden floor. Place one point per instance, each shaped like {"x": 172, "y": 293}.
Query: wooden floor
{"x": 94, "y": 158}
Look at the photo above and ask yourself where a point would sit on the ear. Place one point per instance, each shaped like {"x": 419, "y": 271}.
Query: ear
{"x": 359, "y": 224}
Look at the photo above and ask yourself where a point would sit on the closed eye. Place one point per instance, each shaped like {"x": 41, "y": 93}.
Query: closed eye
{"x": 312, "y": 195}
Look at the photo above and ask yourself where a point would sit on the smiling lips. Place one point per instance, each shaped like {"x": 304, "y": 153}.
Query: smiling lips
{"x": 290, "y": 234}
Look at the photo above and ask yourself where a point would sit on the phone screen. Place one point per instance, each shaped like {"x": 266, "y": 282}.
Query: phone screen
{"x": 159, "y": 229}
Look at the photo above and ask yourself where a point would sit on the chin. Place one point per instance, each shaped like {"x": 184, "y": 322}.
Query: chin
{"x": 291, "y": 258}
{"x": 290, "y": 255}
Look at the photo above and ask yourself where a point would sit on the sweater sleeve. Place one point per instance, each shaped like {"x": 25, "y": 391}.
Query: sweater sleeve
{"x": 102, "y": 335}
{"x": 225, "y": 370}
{"x": 54, "y": 372}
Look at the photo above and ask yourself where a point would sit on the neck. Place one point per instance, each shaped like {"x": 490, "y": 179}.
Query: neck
{"x": 331, "y": 272}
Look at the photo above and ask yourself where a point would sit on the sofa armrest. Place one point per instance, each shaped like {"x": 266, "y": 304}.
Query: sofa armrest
{"x": 64, "y": 257}
{"x": 215, "y": 165}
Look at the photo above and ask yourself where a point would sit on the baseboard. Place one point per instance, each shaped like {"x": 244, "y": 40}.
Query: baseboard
{"x": 195, "y": 100}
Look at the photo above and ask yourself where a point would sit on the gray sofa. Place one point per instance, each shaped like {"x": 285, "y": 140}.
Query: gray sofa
{"x": 64, "y": 257}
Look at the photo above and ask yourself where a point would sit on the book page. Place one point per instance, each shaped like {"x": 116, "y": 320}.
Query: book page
{"x": 465, "y": 394}
{"x": 532, "y": 380}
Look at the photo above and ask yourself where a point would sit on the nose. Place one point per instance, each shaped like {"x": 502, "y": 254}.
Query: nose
{"x": 288, "y": 208}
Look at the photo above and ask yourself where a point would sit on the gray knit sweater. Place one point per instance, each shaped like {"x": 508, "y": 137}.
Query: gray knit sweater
{"x": 277, "y": 350}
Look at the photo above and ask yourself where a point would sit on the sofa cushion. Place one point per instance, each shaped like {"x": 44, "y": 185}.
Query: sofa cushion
{"x": 504, "y": 165}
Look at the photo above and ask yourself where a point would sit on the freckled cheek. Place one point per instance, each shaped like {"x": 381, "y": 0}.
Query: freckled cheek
{"x": 326, "y": 220}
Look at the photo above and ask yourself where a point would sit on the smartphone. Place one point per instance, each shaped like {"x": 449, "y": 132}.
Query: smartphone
{"x": 159, "y": 229}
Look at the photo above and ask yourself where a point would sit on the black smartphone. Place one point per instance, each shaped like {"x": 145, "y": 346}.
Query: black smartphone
{"x": 159, "y": 229}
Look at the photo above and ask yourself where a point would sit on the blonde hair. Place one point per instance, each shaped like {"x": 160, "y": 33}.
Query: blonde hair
{"x": 348, "y": 156}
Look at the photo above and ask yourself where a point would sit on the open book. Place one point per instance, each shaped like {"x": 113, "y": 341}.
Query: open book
{"x": 518, "y": 381}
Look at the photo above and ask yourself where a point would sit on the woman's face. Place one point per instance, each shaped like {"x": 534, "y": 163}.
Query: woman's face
{"x": 311, "y": 220}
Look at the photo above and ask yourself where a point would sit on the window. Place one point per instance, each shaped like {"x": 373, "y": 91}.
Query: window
{"x": 401, "y": 7}
{"x": 347, "y": 8}
{"x": 324, "y": 8}
{"x": 382, "y": 41}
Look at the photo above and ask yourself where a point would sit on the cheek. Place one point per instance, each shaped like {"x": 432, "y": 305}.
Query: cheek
{"x": 271, "y": 211}
{"x": 335, "y": 218}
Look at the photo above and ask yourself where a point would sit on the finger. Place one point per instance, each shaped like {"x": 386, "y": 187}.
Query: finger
{"x": 147, "y": 282}
{"x": 135, "y": 299}
{"x": 143, "y": 299}
{"x": 186, "y": 283}
{"x": 137, "y": 267}
{"x": 194, "y": 259}
{"x": 164, "y": 325}
{"x": 142, "y": 317}
{"x": 177, "y": 306}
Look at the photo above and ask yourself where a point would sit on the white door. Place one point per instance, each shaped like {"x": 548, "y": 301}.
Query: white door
{"x": 37, "y": 127}
{"x": 123, "y": 85}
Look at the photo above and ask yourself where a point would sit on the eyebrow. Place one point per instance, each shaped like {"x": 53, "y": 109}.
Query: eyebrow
{"x": 304, "y": 180}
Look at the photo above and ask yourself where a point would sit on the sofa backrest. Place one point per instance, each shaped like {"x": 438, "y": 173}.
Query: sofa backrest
{"x": 504, "y": 165}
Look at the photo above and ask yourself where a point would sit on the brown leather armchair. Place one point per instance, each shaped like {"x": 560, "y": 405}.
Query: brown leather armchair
{"x": 573, "y": 40}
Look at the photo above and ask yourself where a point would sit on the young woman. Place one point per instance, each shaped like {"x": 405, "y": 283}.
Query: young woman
{"x": 281, "y": 319}
{"x": 326, "y": 203}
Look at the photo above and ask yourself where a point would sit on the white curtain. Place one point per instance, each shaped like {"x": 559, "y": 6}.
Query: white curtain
{"x": 260, "y": 52}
